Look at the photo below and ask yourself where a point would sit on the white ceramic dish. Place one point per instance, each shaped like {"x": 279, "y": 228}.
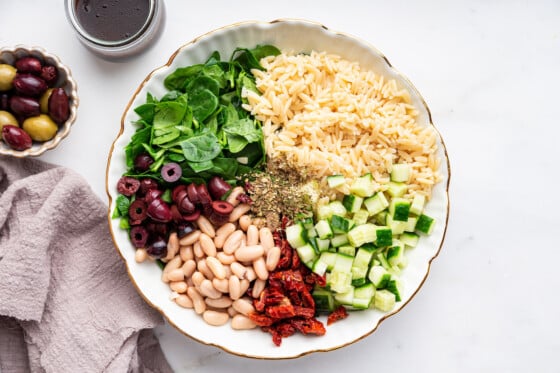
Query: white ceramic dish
{"x": 290, "y": 35}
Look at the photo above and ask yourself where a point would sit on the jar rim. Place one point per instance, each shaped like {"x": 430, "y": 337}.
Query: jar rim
{"x": 71, "y": 13}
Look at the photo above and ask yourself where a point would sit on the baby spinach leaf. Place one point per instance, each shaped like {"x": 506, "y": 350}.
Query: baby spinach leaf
{"x": 203, "y": 103}
{"x": 203, "y": 82}
{"x": 123, "y": 203}
{"x": 180, "y": 77}
{"x": 201, "y": 147}
{"x": 146, "y": 111}
{"x": 168, "y": 113}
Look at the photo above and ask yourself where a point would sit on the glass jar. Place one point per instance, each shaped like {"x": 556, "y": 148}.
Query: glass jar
{"x": 116, "y": 29}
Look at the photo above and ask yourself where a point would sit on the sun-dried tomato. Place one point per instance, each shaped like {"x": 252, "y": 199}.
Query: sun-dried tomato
{"x": 284, "y": 311}
{"x": 260, "y": 319}
{"x": 309, "y": 326}
{"x": 338, "y": 314}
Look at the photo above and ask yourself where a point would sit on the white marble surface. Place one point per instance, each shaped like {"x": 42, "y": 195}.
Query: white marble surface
{"x": 490, "y": 72}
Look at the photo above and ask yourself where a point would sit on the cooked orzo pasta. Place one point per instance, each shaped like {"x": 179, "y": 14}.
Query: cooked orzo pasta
{"x": 324, "y": 115}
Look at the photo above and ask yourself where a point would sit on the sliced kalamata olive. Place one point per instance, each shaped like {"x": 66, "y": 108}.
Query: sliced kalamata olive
{"x": 203, "y": 195}
{"x": 193, "y": 193}
{"x": 139, "y": 236}
{"x": 176, "y": 215}
{"x": 171, "y": 172}
{"x": 159, "y": 211}
{"x": 220, "y": 212}
{"x": 138, "y": 210}
{"x": 178, "y": 193}
{"x": 148, "y": 184}
{"x": 218, "y": 187}
{"x": 133, "y": 222}
{"x": 186, "y": 206}
{"x": 143, "y": 161}
{"x": 157, "y": 229}
{"x": 192, "y": 217}
{"x": 128, "y": 185}
{"x": 152, "y": 194}
{"x": 184, "y": 229}
{"x": 157, "y": 249}
{"x": 28, "y": 65}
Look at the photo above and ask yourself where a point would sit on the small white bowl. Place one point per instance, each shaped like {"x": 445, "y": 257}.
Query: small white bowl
{"x": 293, "y": 35}
{"x": 9, "y": 55}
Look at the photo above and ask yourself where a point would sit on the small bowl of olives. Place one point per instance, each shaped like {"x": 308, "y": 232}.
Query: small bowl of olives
{"x": 38, "y": 101}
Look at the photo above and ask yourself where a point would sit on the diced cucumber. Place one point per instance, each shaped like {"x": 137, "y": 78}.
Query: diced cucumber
{"x": 379, "y": 276}
{"x": 311, "y": 233}
{"x": 409, "y": 239}
{"x": 347, "y": 297}
{"x": 400, "y": 172}
{"x": 324, "y": 212}
{"x": 362, "y": 234}
{"x": 417, "y": 205}
{"x": 347, "y": 250}
{"x": 339, "y": 240}
{"x": 361, "y": 263}
{"x": 383, "y": 236}
{"x": 363, "y": 296}
{"x": 352, "y": 203}
{"x": 307, "y": 254}
{"x": 296, "y": 235}
{"x": 323, "y": 229}
{"x": 399, "y": 209}
{"x": 360, "y": 217}
{"x": 397, "y": 227}
{"x": 340, "y": 282}
{"x": 343, "y": 263}
{"x": 381, "y": 218}
{"x": 324, "y": 300}
{"x": 396, "y": 189}
{"x": 359, "y": 281}
{"x": 395, "y": 253}
{"x": 322, "y": 244}
{"x": 376, "y": 203}
{"x": 329, "y": 259}
{"x": 337, "y": 208}
{"x": 340, "y": 224}
{"x": 425, "y": 224}
{"x": 307, "y": 223}
{"x": 384, "y": 300}
{"x": 411, "y": 224}
{"x": 335, "y": 181}
{"x": 383, "y": 261}
{"x": 319, "y": 267}
{"x": 363, "y": 186}
{"x": 394, "y": 287}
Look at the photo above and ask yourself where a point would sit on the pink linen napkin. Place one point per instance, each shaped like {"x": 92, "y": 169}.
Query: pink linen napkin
{"x": 66, "y": 302}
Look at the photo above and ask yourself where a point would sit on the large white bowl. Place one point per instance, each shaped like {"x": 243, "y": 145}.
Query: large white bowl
{"x": 294, "y": 35}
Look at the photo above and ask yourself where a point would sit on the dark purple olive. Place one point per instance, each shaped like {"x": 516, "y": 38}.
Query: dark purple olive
{"x": 128, "y": 185}
{"x": 218, "y": 187}
{"x": 142, "y": 162}
{"x": 147, "y": 184}
{"x": 16, "y": 138}
{"x": 220, "y": 212}
{"x": 152, "y": 194}
{"x": 193, "y": 193}
{"x": 59, "y": 105}
{"x": 49, "y": 75}
{"x": 159, "y": 211}
{"x": 178, "y": 193}
{"x": 184, "y": 229}
{"x": 186, "y": 206}
{"x": 28, "y": 65}
{"x": 24, "y": 107}
{"x": 176, "y": 215}
{"x": 171, "y": 172}
{"x": 133, "y": 222}
{"x": 157, "y": 229}
{"x": 138, "y": 210}
{"x": 139, "y": 236}
{"x": 203, "y": 195}
{"x": 157, "y": 249}
{"x": 29, "y": 85}
{"x": 192, "y": 217}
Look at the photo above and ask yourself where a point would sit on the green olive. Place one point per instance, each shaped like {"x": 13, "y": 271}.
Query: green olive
{"x": 7, "y": 118}
{"x": 40, "y": 127}
{"x": 44, "y": 101}
{"x": 7, "y": 75}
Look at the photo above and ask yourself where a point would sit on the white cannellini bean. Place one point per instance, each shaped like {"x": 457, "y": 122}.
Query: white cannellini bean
{"x": 244, "y": 285}
{"x": 243, "y": 305}
{"x": 234, "y": 287}
{"x": 249, "y": 253}
{"x": 197, "y": 250}
{"x": 239, "y": 211}
{"x": 242, "y": 322}
{"x": 221, "y": 302}
{"x": 198, "y": 302}
{"x": 208, "y": 290}
{"x": 235, "y": 192}
{"x": 238, "y": 269}
{"x": 176, "y": 275}
{"x": 250, "y": 275}
{"x": 224, "y": 258}
{"x": 184, "y": 301}
{"x": 172, "y": 246}
{"x": 259, "y": 266}
{"x": 223, "y": 233}
{"x": 221, "y": 285}
{"x": 216, "y": 267}
{"x": 215, "y": 318}
{"x": 258, "y": 287}
{"x": 205, "y": 226}
{"x": 197, "y": 278}
{"x": 252, "y": 235}
{"x": 178, "y": 286}
{"x": 186, "y": 253}
{"x": 190, "y": 238}
{"x": 266, "y": 238}
{"x": 272, "y": 258}
{"x": 203, "y": 267}
{"x": 189, "y": 267}
{"x": 140, "y": 255}
{"x": 233, "y": 242}
{"x": 207, "y": 245}
{"x": 231, "y": 311}
{"x": 244, "y": 222}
